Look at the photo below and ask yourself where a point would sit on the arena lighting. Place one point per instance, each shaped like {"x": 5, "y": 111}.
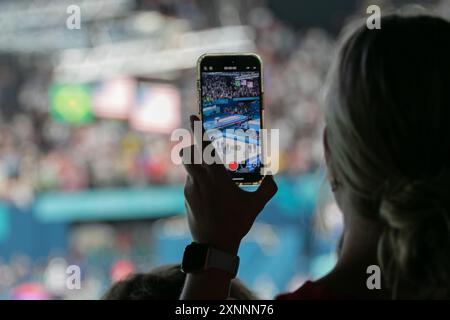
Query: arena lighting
{"x": 18, "y": 16}
{"x": 151, "y": 25}
{"x": 142, "y": 57}
{"x": 39, "y": 41}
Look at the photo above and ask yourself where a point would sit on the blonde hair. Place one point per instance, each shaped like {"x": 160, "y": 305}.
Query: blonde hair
{"x": 387, "y": 118}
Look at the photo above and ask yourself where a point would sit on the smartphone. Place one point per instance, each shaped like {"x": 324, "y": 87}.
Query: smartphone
{"x": 230, "y": 89}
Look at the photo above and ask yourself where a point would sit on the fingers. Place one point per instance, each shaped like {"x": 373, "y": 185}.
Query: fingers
{"x": 267, "y": 189}
{"x": 194, "y": 168}
{"x": 192, "y": 119}
{"x": 190, "y": 192}
{"x": 188, "y": 188}
{"x": 199, "y": 131}
{"x": 216, "y": 170}
{"x": 265, "y": 192}
{"x": 196, "y": 129}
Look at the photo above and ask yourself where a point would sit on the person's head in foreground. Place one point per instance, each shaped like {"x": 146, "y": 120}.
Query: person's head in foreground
{"x": 387, "y": 149}
{"x": 387, "y": 143}
{"x": 163, "y": 283}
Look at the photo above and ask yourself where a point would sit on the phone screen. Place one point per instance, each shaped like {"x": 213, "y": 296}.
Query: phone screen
{"x": 231, "y": 108}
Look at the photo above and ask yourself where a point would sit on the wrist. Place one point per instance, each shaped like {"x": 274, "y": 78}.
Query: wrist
{"x": 208, "y": 285}
{"x": 231, "y": 247}
{"x": 228, "y": 247}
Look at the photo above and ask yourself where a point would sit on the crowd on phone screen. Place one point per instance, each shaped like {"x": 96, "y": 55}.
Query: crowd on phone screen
{"x": 217, "y": 87}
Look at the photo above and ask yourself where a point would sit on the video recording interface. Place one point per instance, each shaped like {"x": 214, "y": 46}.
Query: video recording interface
{"x": 231, "y": 105}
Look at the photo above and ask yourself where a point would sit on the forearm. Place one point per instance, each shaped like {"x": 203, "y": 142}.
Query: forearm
{"x": 208, "y": 285}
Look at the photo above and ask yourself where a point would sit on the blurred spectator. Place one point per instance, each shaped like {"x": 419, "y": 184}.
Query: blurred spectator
{"x": 163, "y": 283}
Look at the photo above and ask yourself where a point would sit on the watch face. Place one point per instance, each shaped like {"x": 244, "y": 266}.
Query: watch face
{"x": 194, "y": 258}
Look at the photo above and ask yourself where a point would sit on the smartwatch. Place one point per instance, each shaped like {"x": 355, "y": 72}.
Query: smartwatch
{"x": 199, "y": 257}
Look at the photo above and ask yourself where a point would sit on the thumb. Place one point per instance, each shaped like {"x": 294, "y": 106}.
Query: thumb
{"x": 265, "y": 192}
{"x": 192, "y": 119}
{"x": 198, "y": 134}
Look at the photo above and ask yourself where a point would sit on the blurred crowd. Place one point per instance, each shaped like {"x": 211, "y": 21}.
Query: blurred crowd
{"x": 104, "y": 253}
{"x": 38, "y": 153}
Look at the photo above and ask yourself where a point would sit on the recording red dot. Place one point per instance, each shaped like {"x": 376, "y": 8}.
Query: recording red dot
{"x": 233, "y": 166}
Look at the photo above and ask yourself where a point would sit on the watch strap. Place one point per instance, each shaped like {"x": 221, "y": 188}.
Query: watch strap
{"x": 199, "y": 257}
{"x": 218, "y": 259}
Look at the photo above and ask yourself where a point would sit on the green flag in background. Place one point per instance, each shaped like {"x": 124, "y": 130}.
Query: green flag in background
{"x": 71, "y": 103}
